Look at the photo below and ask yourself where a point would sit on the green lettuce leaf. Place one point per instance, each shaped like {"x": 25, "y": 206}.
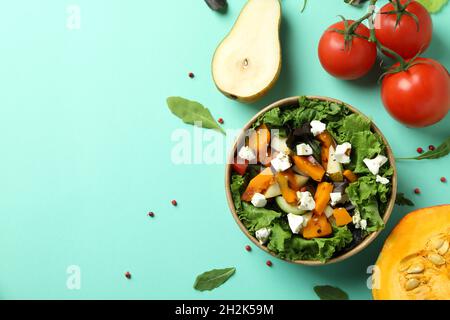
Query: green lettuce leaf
{"x": 237, "y": 188}
{"x": 433, "y": 6}
{"x": 256, "y": 218}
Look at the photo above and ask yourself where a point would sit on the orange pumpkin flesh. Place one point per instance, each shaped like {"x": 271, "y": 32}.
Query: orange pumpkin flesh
{"x": 258, "y": 184}
{"x": 342, "y": 217}
{"x": 415, "y": 261}
{"x": 315, "y": 171}
{"x": 317, "y": 227}
{"x": 322, "y": 196}
{"x": 288, "y": 194}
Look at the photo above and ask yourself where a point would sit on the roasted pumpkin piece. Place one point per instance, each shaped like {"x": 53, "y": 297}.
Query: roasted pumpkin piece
{"x": 322, "y": 197}
{"x": 317, "y": 227}
{"x": 342, "y": 217}
{"x": 259, "y": 142}
{"x": 326, "y": 141}
{"x": 350, "y": 176}
{"x": 259, "y": 184}
{"x": 313, "y": 170}
{"x": 288, "y": 194}
{"x": 414, "y": 263}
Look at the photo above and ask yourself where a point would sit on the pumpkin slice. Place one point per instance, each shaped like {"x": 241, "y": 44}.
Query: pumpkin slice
{"x": 313, "y": 170}
{"x": 414, "y": 263}
{"x": 326, "y": 141}
{"x": 258, "y": 184}
{"x": 288, "y": 194}
{"x": 350, "y": 176}
{"x": 342, "y": 217}
{"x": 317, "y": 227}
{"x": 322, "y": 197}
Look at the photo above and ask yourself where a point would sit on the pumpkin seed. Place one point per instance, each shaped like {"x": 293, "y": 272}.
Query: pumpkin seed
{"x": 437, "y": 243}
{"x": 416, "y": 268}
{"x": 436, "y": 259}
{"x": 444, "y": 248}
{"x": 412, "y": 284}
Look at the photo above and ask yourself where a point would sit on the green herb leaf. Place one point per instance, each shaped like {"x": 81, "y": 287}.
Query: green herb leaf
{"x": 355, "y": 2}
{"x": 433, "y": 6}
{"x": 330, "y": 293}
{"x": 192, "y": 112}
{"x": 439, "y": 152}
{"x": 217, "y": 5}
{"x": 403, "y": 201}
{"x": 213, "y": 279}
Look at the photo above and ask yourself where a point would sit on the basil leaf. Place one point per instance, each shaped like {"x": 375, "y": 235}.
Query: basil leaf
{"x": 439, "y": 152}
{"x": 217, "y": 5}
{"x": 355, "y": 2}
{"x": 330, "y": 293}
{"x": 192, "y": 112}
{"x": 433, "y": 6}
{"x": 403, "y": 201}
{"x": 213, "y": 279}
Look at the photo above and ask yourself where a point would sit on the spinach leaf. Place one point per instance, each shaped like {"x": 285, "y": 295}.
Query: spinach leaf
{"x": 210, "y": 280}
{"x": 192, "y": 112}
{"x": 330, "y": 293}
{"x": 236, "y": 187}
{"x": 403, "y": 201}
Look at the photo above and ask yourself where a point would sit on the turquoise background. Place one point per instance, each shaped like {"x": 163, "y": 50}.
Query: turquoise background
{"x": 85, "y": 140}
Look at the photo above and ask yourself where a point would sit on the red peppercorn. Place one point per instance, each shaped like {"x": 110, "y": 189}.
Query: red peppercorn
{"x": 419, "y": 150}
{"x": 431, "y": 147}
{"x": 417, "y": 191}
{"x": 151, "y": 214}
{"x": 303, "y": 189}
{"x": 221, "y": 121}
{"x": 191, "y": 75}
{"x": 127, "y": 275}
{"x": 248, "y": 248}
{"x": 269, "y": 263}
{"x": 174, "y": 203}
{"x": 443, "y": 179}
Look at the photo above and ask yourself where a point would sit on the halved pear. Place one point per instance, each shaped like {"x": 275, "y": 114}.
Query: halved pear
{"x": 248, "y": 61}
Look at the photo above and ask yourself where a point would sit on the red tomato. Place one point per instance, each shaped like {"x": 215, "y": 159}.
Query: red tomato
{"x": 419, "y": 96}
{"x": 408, "y": 38}
{"x": 240, "y": 168}
{"x": 348, "y": 63}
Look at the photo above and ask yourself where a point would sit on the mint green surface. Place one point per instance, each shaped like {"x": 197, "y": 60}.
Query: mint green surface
{"x": 85, "y": 140}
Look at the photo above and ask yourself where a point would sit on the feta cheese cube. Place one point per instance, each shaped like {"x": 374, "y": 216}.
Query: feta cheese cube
{"x": 329, "y": 212}
{"x": 295, "y": 223}
{"x": 382, "y": 180}
{"x": 304, "y": 149}
{"x": 336, "y": 197}
{"x": 281, "y": 162}
{"x": 363, "y": 224}
{"x": 358, "y": 222}
{"x": 263, "y": 235}
{"x": 375, "y": 164}
{"x": 246, "y": 154}
{"x": 259, "y": 200}
{"x": 356, "y": 219}
{"x": 342, "y": 154}
{"x": 317, "y": 127}
{"x": 306, "y": 201}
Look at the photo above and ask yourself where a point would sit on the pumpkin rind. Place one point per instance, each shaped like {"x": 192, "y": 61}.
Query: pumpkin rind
{"x": 414, "y": 263}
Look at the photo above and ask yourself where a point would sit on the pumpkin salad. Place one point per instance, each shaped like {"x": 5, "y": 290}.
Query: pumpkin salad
{"x": 311, "y": 181}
